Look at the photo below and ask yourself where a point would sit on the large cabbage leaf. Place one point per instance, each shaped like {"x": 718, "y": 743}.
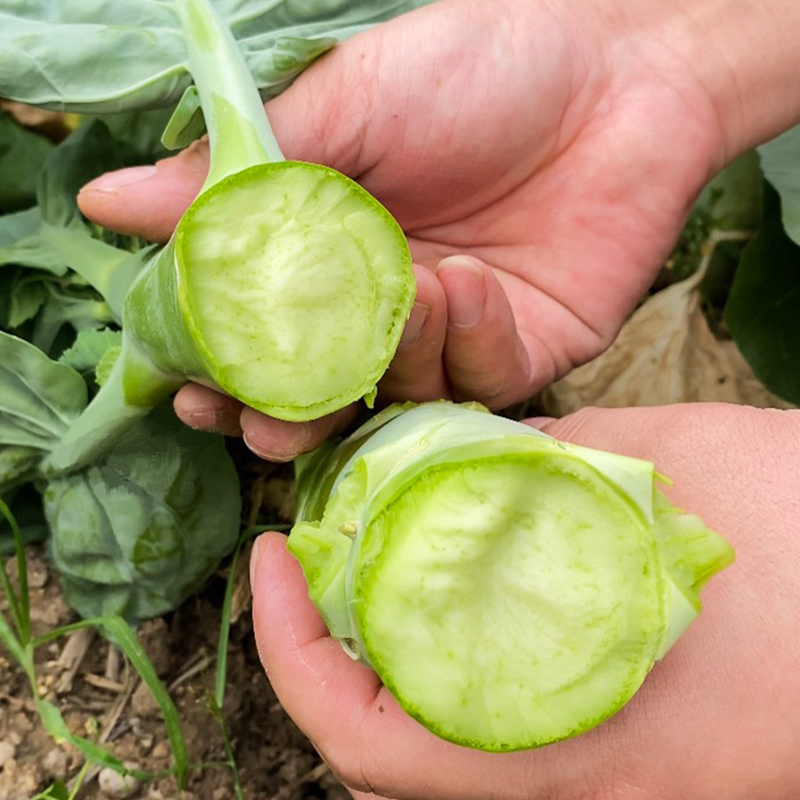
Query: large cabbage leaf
{"x": 105, "y": 55}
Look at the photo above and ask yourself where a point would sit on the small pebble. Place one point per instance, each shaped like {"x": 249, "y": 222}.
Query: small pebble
{"x": 55, "y": 763}
{"x": 7, "y": 752}
{"x": 161, "y": 750}
{"x": 112, "y": 784}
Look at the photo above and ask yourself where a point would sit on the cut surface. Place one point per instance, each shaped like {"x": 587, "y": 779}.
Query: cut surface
{"x": 298, "y": 284}
{"x": 508, "y": 603}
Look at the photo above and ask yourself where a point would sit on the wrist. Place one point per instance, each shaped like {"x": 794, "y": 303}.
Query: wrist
{"x": 742, "y": 61}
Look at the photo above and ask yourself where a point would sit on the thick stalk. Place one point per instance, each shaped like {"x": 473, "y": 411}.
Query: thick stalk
{"x": 238, "y": 130}
{"x": 133, "y": 388}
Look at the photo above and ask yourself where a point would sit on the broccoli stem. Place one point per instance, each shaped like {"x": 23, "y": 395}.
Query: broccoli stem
{"x": 239, "y": 132}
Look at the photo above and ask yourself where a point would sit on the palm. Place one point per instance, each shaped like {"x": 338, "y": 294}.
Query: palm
{"x": 570, "y": 181}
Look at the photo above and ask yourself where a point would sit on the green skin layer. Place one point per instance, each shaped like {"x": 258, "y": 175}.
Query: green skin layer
{"x": 510, "y": 591}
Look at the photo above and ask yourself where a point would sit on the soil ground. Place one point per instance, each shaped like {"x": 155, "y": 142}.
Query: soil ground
{"x": 106, "y": 700}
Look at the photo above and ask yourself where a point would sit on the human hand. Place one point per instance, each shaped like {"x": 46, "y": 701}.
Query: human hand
{"x": 542, "y": 163}
{"x": 718, "y": 717}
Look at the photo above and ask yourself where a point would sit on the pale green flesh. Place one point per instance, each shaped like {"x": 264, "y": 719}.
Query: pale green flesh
{"x": 292, "y": 277}
{"x": 505, "y": 616}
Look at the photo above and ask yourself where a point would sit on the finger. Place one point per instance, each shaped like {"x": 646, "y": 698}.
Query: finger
{"x": 147, "y": 201}
{"x": 359, "y": 729}
{"x": 484, "y": 356}
{"x": 208, "y": 410}
{"x": 278, "y": 440}
{"x": 416, "y": 372}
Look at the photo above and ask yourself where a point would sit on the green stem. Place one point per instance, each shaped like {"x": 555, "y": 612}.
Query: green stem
{"x": 108, "y": 269}
{"x": 238, "y": 130}
{"x": 134, "y": 387}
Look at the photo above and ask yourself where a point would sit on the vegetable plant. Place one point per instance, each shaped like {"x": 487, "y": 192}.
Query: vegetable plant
{"x": 509, "y": 589}
{"x": 247, "y": 295}
{"x": 285, "y": 284}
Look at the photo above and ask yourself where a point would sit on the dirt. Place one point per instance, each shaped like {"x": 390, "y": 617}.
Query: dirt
{"x": 274, "y": 759}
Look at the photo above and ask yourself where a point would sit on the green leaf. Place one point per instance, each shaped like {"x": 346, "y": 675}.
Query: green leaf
{"x": 140, "y": 131}
{"x": 108, "y": 269}
{"x": 18, "y": 603}
{"x": 90, "y": 348}
{"x": 123, "y": 636}
{"x": 106, "y": 364}
{"x": 761, "y": 311}
{"x": 22, "y": 153}
{"x": 142, "y": 529}
{"x": 11, "y": 643}
{"x": 28, "y": 295}
{"x": 56, "y": 791}
{"x": 187, "y": 123}
{"x": 278, "y": 39}
{"x": 64, "y": 307}
{"x": 55, "y": 725}
{"x": 21, "y": 243}
{"x": 39, "y": 398}
{"x": 780, "y": 160}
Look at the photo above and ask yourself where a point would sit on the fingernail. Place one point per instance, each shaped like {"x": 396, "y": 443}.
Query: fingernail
{"x": 255, "y": 556}
{"x": 419, "y": 316}
{"x": 114, "y": 181}
{"x": 268, "y": 455}
{"x": 466, "y": 297}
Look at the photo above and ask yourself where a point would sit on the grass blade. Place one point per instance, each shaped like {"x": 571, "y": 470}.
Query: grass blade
{"x": 11, "y": 642}
{"x": 121, "y": 633}
{"x": 58, "y": 730}
{"x": 225, "y": 622}
{"x": 20, "y": 606}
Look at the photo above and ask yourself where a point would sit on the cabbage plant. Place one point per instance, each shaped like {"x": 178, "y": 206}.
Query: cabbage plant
{"x": 285, "y": 284}
{"x": 509, "y": 589}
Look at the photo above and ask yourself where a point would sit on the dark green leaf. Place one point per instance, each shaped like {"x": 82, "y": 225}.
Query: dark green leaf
{"x": 56, "y": 791}
{"x": 27, "y": 297}
{"x": 140, "y": 130}
{"x": 25, "y": 504}
{"x": 761, "y": 312}
{"x": 22, "y": 153}
{"x": 83, "y": 155}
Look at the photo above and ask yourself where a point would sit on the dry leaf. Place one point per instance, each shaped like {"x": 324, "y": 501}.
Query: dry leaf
{"x": 665, "y": 353}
